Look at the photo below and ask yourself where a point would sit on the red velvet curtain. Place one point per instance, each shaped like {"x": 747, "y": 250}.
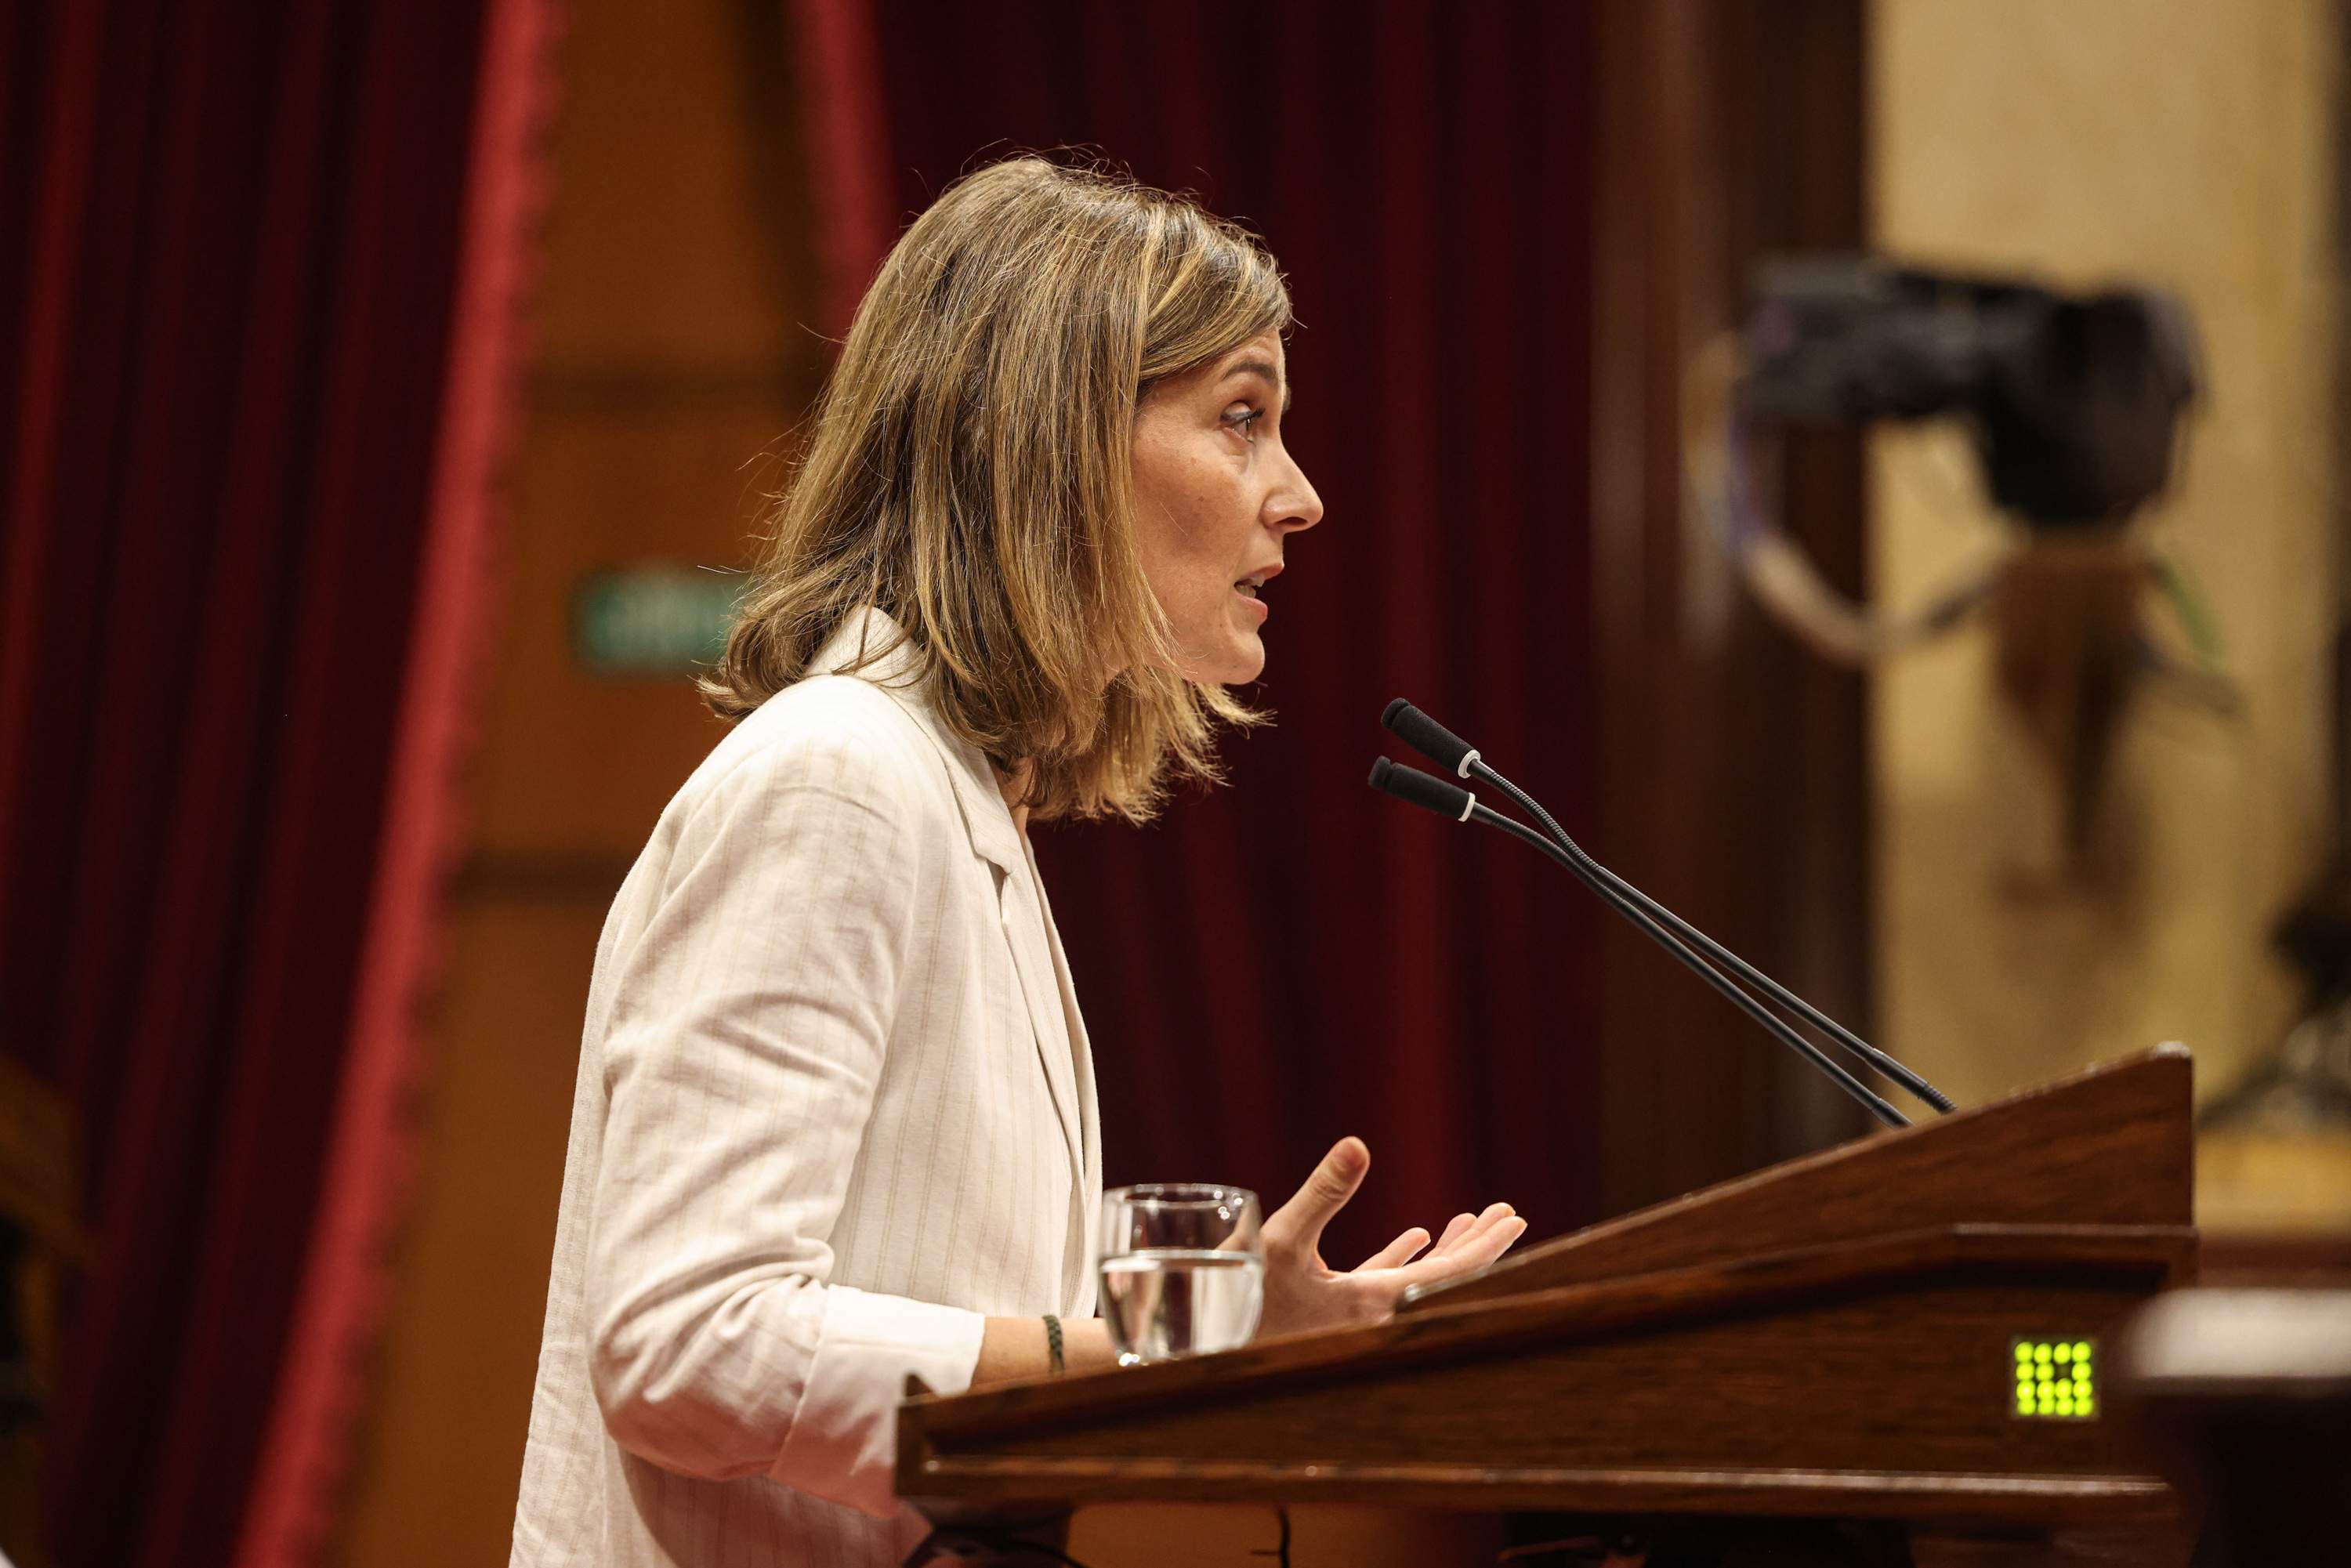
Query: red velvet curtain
{"x": 256, "y": 269}
{"x": 1294, "y": 957}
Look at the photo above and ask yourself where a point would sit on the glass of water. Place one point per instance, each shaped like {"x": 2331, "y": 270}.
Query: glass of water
{"x": 1183, "y": 1269}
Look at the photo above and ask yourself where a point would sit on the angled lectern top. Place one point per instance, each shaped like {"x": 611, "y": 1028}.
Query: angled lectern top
{"x": 1911, "y": 1326}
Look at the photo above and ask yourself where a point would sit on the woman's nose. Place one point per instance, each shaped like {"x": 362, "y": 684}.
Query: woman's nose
{"x": 1295, "y": 505}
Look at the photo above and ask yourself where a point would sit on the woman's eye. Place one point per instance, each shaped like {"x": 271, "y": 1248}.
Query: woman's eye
{"x": 1245, "y": 421}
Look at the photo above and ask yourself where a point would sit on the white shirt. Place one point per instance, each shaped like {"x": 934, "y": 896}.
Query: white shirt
{"x": 835, "y": 1107}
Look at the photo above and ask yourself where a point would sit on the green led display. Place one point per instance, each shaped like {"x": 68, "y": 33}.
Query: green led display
{"x": 2055, "y": 1379}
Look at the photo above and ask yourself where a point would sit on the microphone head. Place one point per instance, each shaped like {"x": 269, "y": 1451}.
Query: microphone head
{"x": 1425, "y": 791}
{"x": 1426, "y": 735}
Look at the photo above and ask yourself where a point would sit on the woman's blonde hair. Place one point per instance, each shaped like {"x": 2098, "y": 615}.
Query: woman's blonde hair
{"x": 968, "y": 468}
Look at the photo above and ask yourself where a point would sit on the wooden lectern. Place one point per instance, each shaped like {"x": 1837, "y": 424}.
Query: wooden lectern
{"x": 1909, "y": 1328}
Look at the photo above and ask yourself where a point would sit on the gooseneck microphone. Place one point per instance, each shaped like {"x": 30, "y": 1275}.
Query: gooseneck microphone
{"x": 1450, "y": 800}
{"x": 1440, "y": 744}
{"x": 1676, "y": 935}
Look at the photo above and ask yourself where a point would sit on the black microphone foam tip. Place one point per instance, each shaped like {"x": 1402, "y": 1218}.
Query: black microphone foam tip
{"x": 1425, "y": 791}
{"x": 1426, "y": 735}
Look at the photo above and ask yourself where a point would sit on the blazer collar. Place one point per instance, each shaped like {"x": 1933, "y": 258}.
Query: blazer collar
{"x": 871, "y": 645}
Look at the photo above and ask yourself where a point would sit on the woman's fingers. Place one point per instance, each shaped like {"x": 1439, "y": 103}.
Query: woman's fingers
{"x": 1472, "y": 1252}
{"x": 1299, "y": 1222}
{"x": 1398, "y": 1252}
{"x": 1468, "y": 1227}
{"x": 1460, "y": 1223}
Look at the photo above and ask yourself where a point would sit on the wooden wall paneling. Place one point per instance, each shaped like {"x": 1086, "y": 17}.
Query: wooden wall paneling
{"x": 1733, "y": 778}
{"x": 672, "y": 367}
{"x": 580, "y": 762}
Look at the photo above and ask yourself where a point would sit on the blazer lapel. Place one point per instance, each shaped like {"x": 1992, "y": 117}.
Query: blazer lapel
{"x": 1088, "y": 1107}
{"x": 1024, "y": 928}
{"x": 1036, "y": 956}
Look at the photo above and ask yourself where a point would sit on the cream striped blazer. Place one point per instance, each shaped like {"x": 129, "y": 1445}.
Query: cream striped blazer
{"x": 835, "y": 1106}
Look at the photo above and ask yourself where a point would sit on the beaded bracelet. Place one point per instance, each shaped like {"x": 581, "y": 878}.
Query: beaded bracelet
{"x": 1053, "y": 1343}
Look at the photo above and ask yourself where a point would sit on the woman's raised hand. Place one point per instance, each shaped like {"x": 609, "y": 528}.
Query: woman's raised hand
{"x": 1302, "y": 1292}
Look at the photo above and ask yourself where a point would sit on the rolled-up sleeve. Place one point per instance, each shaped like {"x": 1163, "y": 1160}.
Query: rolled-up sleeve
{"x": 749, "y": 1024}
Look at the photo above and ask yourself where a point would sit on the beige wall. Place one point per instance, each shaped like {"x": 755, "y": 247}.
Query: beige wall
{"x": 2185, "y": 144}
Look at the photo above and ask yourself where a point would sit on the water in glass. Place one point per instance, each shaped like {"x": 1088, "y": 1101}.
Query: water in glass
{"x": 1179, "y": 1302}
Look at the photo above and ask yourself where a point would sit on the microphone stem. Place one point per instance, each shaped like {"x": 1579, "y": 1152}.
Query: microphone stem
{"x": 1713, "y": 949}
{"x": 1875, "y": 1103}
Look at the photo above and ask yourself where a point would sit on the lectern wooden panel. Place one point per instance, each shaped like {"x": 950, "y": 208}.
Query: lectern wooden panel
{"x": 1910, "y": 1327}
{"x": 2110, "y": 1146}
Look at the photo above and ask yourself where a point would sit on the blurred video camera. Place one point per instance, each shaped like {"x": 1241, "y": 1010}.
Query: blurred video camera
{"x": 2075, "y": 400}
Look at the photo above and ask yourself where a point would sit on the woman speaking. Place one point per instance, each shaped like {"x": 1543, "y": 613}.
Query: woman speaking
{"x": 835, "y": 1118}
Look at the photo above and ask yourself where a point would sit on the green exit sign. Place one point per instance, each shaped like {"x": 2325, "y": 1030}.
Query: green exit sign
{"x": 2056, "y": 1379}
{"x": 664, "y": 620}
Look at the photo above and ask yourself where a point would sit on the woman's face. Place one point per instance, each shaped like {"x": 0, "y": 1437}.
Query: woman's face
{"x": 1216, "y": 495}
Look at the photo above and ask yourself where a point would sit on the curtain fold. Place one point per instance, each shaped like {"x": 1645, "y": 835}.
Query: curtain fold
{"x": 1292, "y": 958}
{"x": 262, "y": 262}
